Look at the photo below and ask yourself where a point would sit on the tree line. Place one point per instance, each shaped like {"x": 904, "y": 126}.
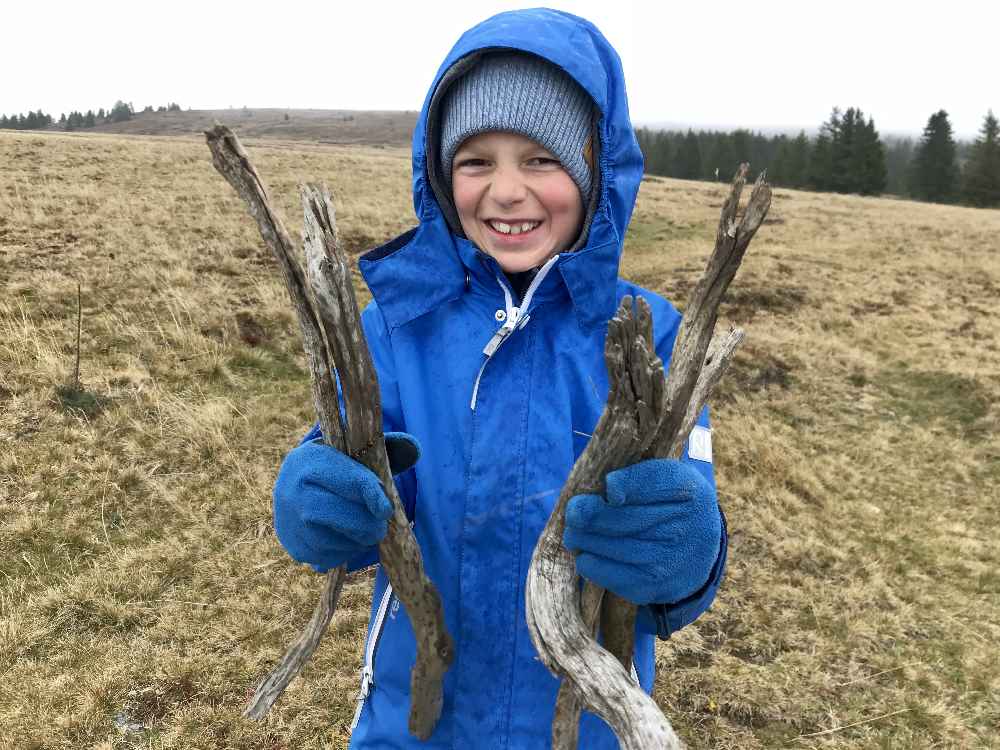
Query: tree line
{"x": 75, "y": 120}
{"x": 846, "y": 156}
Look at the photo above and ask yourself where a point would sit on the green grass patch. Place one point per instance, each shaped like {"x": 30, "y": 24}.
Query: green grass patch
{"x": 928, "y": 396}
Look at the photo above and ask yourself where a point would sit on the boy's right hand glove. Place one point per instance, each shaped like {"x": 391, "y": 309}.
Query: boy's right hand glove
{"x": 328, "y": 508}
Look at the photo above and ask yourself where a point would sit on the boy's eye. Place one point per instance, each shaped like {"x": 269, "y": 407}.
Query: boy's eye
{"x": 470, "y": 162}
{"x": 544, "y": 161}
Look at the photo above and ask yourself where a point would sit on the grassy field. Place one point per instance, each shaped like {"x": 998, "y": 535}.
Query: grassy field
{"x": 142, "y": 591}
{"x": 330, "y": 126}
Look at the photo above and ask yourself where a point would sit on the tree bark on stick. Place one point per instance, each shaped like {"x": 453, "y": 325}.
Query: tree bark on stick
{"x": 330, "y": 280}
{"x": 563, "y": 641}
{"x": 594, "y": 678}
{"x": 333, "y": 337}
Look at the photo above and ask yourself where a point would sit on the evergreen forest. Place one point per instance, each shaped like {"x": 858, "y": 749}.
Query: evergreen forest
{"x": 847, "y": 155}
{"x": 75, "y": 120}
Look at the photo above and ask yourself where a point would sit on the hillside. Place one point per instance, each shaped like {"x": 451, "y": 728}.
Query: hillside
{"x": 320, "y": 125}
{"x": 143, "y": 593}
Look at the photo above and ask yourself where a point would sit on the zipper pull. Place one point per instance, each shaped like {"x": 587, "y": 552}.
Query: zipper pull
{"x": 503, "y": 332}
{"x": 366, "y": 687}
{"x": 367, "y": 680}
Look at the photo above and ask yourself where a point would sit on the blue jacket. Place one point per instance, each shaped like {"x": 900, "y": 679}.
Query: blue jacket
{"x": 492, "y": 470}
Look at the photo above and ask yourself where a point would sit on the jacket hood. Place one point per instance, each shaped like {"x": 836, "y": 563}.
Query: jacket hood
{"x": 431, "y": 265}
{"x": 575, "y": 45}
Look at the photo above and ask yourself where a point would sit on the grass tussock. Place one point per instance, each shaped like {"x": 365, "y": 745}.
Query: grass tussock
{"x": 142, "y": 592}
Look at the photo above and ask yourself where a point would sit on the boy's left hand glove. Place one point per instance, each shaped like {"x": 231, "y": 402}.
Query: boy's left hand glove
{"x": 656, "y": 537}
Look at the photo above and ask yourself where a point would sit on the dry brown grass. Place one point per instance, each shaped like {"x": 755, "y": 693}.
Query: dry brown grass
{"x": 856, "y": 444}
{"x": 392, "y": 128}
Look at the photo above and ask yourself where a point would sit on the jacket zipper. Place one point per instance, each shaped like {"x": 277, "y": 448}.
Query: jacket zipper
{"x": 368, "y": 670}
{"x": 517, "y": 318}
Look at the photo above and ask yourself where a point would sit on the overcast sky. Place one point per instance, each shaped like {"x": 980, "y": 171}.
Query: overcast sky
{"x": 701, "y": 63}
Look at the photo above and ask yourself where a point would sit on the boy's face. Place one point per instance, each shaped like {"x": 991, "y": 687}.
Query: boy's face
{"x": 514, "y": 199}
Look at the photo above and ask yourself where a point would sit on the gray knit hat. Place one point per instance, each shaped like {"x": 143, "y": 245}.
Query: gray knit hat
{"x": 520, "y": 93}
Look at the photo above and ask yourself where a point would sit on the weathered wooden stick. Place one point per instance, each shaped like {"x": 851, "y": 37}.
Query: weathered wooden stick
{"x": 231, "y": 160}
{"x": 562, "y": 639}
{"x": 716, "y": 364}
{"x": 618, "y": 615}
{"x": 689, "y": 383}
{"x": 618, "y": 621}
{"x": 296, "y": 655}
{"x": 693, "y": 372}
{"x": 330, "y": 280}
{"x": 569, "y": 706}
{"x": 335, "y": 337}
{"x": 702, "y": 311}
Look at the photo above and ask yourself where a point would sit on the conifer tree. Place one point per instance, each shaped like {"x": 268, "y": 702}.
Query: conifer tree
{"x": 687, "y": 163}
{"x": 869, "y": 159}
{"x": 841, "y": 128}
{"x": 934, "y": 175}
{"x": 663, "y": 151}
{"x": 120, "y": 112}
{"x": 898, "y": 156}
{"x": 777, "y": 165}
{"x": 797, "y": 162}
{"x": 981, "y": 177}
{"x": 820, "y": 175}
{"x": 720, "y": 155}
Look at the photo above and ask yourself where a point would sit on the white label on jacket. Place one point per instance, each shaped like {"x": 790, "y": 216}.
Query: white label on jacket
{"x": 700, "y": 444}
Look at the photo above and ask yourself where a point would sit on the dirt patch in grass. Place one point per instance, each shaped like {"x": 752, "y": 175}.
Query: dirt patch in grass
{"x": 746, "y": 299}
{"x": 151, "y": 703}
{"x": 356, "y": 243}
{"x": 752, "y": 371}
{"x": 80, "y": 401}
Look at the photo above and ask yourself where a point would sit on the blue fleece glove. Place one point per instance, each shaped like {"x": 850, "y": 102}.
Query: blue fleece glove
{"x": 328, "y": 508}
{"x": 656, "y": 537}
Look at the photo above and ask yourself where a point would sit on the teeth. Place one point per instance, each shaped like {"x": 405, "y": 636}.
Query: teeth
{"x": 526, "y": 226}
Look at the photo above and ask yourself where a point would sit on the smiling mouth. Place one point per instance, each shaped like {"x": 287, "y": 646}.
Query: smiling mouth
{"x": 512, "y": 228}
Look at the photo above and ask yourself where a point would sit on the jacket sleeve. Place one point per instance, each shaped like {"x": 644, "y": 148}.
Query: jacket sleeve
{"x": 377, "y": 336}
{"x": 668, "y": 617}
{"x": 664, "y": 619}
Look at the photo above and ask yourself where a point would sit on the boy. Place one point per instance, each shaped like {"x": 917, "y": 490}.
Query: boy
{"x": 487, "y": 331}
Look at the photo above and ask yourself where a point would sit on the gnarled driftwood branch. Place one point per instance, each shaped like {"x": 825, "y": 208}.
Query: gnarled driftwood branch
{"x": 330, "y": 280}
{"x": 332, "y": 336}
{"x": 563, "y": 641}
{"x": 563, "y": 637}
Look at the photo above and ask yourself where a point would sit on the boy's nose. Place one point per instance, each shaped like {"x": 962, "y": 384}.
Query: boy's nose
{"x": 507, "y": 187}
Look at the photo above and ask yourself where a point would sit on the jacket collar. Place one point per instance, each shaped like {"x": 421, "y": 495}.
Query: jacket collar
{"x": 429, "y": 266}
